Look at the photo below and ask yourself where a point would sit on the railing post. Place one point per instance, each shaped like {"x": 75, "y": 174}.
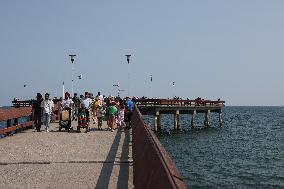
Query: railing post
{"x": 207, "y": 118}
{"x": 220, "y": 118}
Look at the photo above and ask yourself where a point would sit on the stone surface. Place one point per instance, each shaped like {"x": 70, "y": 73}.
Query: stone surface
{"x": 97, "y": 159}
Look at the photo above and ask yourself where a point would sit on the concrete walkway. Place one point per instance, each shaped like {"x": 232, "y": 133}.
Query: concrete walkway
{"x": 97, "y": 159}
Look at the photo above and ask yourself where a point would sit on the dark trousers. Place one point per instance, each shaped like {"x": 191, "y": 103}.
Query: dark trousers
{"x": 37, "y": 121}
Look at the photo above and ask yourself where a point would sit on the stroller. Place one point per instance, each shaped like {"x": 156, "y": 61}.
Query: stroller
{"x": 83, "y": 121}
{"x": 65, "y": 120}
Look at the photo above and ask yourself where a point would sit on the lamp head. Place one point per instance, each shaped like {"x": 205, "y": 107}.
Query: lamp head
{"x": 128, "y": 57}
{"x": 72, "y": 57}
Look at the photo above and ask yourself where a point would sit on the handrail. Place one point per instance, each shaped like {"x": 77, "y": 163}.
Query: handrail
{"x": 172, "y": 102}
{"x": 27, "y": 103}
{"x": 11, "y": 116}
{"x": 152, "y": 166}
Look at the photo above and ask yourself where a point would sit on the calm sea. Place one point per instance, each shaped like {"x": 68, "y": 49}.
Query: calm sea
{"x": 247, "y": 152}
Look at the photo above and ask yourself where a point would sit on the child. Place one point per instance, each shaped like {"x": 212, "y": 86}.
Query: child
{"x": 127, "y": 117}
{"x": 82, "y": 116}
{"x": 100, "y": 113}
{"x": 120, "y": 116}
{"x": 112, "y": 110}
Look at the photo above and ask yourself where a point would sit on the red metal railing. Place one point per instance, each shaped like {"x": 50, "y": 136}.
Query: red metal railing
{"x": 170, "y": 102}
{"x": 152, "y": 166}
{"x": 12, "y": 115}
{"x": 28, "y": 103}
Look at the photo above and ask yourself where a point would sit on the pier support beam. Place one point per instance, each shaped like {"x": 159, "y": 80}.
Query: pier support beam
{"x": 157, "y": 124}
{"x": 207, "y": 119}
{"x": 176, "y": 120}
{"x": 220, "y": 119}
{"x": 193, "y": 119}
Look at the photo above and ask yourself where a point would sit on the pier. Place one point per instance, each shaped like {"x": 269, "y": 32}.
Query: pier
{"x": 156, "y": 107}
{"x": 98, "y": 159}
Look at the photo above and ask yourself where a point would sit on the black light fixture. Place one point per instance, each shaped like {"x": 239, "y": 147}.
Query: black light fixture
{"x": 72, "y": 57}
{"x": 128, "y": 57}
{"x": 72, "y": 81}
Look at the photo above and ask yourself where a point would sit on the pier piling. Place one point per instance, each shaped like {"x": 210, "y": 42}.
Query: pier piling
{"x": 220, "y": 119}
{"x": 176, "y": 120}
{"x": 193, "y": 119}
{"x": 157, "y": 119}
{"x": 207, "y": 119}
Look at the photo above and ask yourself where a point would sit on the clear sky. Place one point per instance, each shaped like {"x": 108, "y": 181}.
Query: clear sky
{"x": 211, "y": 49}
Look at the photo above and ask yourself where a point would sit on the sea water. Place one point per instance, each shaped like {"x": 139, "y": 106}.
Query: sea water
{"x": 246, "y": 152}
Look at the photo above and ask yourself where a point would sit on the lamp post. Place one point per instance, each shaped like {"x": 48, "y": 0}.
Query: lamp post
{"x": 174, "y": 89}
{"x": 118, "y": 89}
{"x": 72, "y": 73}
{"x": 117, "y": 85}
{"x": 128, "y": 71}
{"x": 151, "y": 87}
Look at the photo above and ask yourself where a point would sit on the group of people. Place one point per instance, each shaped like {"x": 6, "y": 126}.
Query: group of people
{"x": 42, "y": 109}
{"x": 115, "y": 111}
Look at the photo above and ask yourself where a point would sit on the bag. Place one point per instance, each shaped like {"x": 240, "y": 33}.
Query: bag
{"x": 65, "y": 115}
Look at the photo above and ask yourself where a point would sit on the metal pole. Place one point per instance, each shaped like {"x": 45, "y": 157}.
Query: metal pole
{"x": 151, "y": 87}
{"x": 173, "y": 89}
{"x": 72, "y": 82}
{"x": 72, "y": 89}
{"x": 63, "y": 90}
{"x": 128, "y": 70}
{"x": 118, "y": 89}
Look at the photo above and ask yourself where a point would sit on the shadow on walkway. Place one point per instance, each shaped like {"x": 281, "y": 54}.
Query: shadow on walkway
{"x": 105, "y": 174}
{"x": 123, "y": 176}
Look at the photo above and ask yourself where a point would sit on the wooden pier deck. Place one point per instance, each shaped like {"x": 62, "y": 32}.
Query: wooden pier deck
{"x": 97, "y": 159}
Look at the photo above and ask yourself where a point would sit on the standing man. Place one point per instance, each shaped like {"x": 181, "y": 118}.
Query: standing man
{"x": 67, "y": 105}
{"x": 47, "y": 106}
{"x": 129, "y": 110}
{"x": 101, "y": 97}
{"x": 37, "y": 111}
{"x": 76, "y": 105}
{"x": 130, "y": 104}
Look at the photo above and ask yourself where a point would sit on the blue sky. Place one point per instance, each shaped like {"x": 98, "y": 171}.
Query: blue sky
{"x": 227, "y": 49}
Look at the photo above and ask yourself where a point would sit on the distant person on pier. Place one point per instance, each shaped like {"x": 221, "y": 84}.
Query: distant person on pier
{"x": 130, "y": 104}
{"x": 101, "y": 97}
{"x": 76, "y": 106}
{"x": 85, "y": 104}
{"x": 37, "y": 111}
{"x": 127, "y": 117}
{"x": 67, "y": 104}
{"x": 112, "y": 111}
{"x": 129, "y": 109}
{"x": 100, "y": 114}
{"x": 120, "y": 115}
{"x": 47, "y": 107}
{"x": 93, "y": 107}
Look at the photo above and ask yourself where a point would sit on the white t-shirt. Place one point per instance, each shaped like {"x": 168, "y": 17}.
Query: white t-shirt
{"x": 66, "y": 103}
{"x": 101, "y": 97}
{"x": 86, "y": 102}
{"x": 47, "y": 106}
